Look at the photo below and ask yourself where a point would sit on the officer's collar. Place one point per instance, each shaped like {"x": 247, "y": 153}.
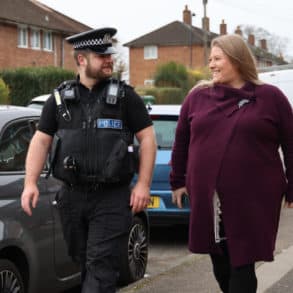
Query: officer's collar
{"x": 99, "y": 84}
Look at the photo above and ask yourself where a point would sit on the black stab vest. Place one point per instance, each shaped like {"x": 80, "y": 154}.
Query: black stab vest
{"x": 94, "y": 145}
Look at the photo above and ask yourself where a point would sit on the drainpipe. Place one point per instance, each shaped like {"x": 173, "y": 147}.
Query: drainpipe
{"x": 62, "y": 53}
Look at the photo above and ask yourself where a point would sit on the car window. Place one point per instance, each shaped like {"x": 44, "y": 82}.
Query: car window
{"x": 36, "y": 105}
{"x": 14, "y": 145}
{"x": 165, "y": 127}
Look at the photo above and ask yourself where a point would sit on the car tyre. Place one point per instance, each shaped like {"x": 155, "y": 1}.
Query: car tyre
{"x": 11, "y": 280}
{"x": 133, "y": 264}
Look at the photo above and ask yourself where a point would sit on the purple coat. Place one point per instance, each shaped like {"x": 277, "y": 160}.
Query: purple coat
{"x": 235, "y": 150}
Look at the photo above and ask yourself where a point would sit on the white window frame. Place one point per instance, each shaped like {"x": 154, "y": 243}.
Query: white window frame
{"x": 22, "y": 37}
{"x": 35, "y": 38}
{"x": 149, "y": 82}
{"x": 47, "y": 41}
{"x": 150, "y": 52}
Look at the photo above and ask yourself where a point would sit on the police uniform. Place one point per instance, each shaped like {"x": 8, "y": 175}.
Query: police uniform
{"x": 93, "y": 154}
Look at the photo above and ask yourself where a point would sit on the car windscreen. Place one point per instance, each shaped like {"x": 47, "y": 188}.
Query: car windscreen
{"x": 165, "y": 127}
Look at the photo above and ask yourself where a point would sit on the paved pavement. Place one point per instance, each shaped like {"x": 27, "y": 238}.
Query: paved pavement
{"x": 194, "y": 273}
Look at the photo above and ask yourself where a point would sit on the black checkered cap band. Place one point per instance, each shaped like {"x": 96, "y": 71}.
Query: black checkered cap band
{"x": 106, "y": 40}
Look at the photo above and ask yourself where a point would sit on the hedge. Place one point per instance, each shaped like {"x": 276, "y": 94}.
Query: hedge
{"x": 4, "y": 93}
{"x": 27, "y": 82}
{"x": 166, "y": 95}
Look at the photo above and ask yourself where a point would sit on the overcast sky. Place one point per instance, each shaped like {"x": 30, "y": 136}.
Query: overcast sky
{"x": 134, "y": 18}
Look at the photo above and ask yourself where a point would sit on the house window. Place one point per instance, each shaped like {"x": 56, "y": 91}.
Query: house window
{"x": 149, "y": 82}
{"x": 151, "y": 52}
{"x": 35, "y": 39}
{"x": 47, "y": 41}
{"x": 22, "y": 37}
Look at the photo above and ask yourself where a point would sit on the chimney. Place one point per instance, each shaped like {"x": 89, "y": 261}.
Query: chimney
{"x": 238, "y": 31}
{"x": 187, "y": 15}
{"x": 223, "y": 28}
{"x": 263, "y": 44}
{"x": 251, "y": 40}
{"x": 206, "y": 24}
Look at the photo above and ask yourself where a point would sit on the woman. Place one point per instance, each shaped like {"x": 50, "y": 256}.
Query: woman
{"x": 226, "y": 158}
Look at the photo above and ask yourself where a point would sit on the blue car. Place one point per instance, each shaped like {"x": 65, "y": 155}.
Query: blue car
{"x": 161, "y": 210}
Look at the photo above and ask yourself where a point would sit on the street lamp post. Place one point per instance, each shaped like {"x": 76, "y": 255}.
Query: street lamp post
{"x": 205, "y": 40}
{"x": 190, "y": 57}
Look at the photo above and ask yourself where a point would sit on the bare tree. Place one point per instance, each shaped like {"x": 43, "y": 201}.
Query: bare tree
{"x": 276, "y": 45}
{"x": 120, "y": 62}
{"x": 120, "y": 66}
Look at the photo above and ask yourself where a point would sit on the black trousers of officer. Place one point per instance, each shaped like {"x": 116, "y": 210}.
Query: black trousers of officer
{"x": 95, "y": 224}
{"x": 232, "y": 279}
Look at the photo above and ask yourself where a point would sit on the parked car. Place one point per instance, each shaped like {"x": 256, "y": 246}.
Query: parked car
{"x": 33, "y": 254}
{"x": 161, "y": 210}
{"x": 282, "y": 78}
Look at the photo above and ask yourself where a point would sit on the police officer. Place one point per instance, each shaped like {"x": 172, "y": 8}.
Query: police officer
{"x": 88, "y": 125}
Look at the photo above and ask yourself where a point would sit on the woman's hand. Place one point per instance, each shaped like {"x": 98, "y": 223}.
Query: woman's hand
{"x": 177, "y": 196}
{"x": 288, "y": 205}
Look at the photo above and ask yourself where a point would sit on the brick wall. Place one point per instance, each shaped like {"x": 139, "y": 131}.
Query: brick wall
{"x": 141, "y": 69}
{"x": 11, "y": 56}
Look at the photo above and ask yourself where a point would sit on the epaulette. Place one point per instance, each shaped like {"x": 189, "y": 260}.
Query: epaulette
{"x": 65, "y": 91}
{"x": 67, "y": 84}
{"x": 127, "y": 85}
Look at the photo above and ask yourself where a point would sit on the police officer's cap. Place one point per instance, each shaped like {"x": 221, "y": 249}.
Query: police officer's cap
{"x": 96, "y": 40}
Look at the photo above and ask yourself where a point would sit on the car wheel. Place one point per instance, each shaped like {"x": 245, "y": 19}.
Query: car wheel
{"x": 10, "y": 279}
{"x": 134, "y": 263}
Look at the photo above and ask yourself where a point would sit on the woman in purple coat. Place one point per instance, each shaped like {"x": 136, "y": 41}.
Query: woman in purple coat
{"x": 226, "y": 158}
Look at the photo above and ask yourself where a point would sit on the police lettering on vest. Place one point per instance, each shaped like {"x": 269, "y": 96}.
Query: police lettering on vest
{"x": 92, "y": 143}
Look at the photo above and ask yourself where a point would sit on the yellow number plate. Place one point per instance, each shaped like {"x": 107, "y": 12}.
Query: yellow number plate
{"x": 154, "y": 202}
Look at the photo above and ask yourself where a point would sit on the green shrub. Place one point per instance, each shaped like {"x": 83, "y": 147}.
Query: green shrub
{"x": 4, "y": 93}
{"x": 171, "y": 74}
{"x": 173, "y": 82}
{"x": 166, "y": 95}
{"x": 194, "y": 76}
{"x": 27, "y": 82}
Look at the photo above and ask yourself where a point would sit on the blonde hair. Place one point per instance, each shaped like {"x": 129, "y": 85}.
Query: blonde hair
{"x": 239, "y": 54}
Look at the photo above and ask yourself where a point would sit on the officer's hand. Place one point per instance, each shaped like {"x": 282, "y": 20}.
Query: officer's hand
{"x": 29, "y": 197}
{"x": 177, "y": 196}
{"x": 140, "y": 197}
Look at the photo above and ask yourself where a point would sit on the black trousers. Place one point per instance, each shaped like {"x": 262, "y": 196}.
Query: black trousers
{"x": 233, "y": 279}
{"x": 95, "y": 225}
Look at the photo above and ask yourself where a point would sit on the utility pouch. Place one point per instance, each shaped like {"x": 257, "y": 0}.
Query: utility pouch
{"x": 114, "y": 163}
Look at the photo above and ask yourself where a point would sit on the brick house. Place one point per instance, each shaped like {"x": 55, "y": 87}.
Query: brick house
{"x": 32, "y": 34}
{"x": 183, "y": 43}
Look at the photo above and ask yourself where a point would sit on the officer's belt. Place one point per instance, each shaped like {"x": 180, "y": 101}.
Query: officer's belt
{"x": 85, "y": 187}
